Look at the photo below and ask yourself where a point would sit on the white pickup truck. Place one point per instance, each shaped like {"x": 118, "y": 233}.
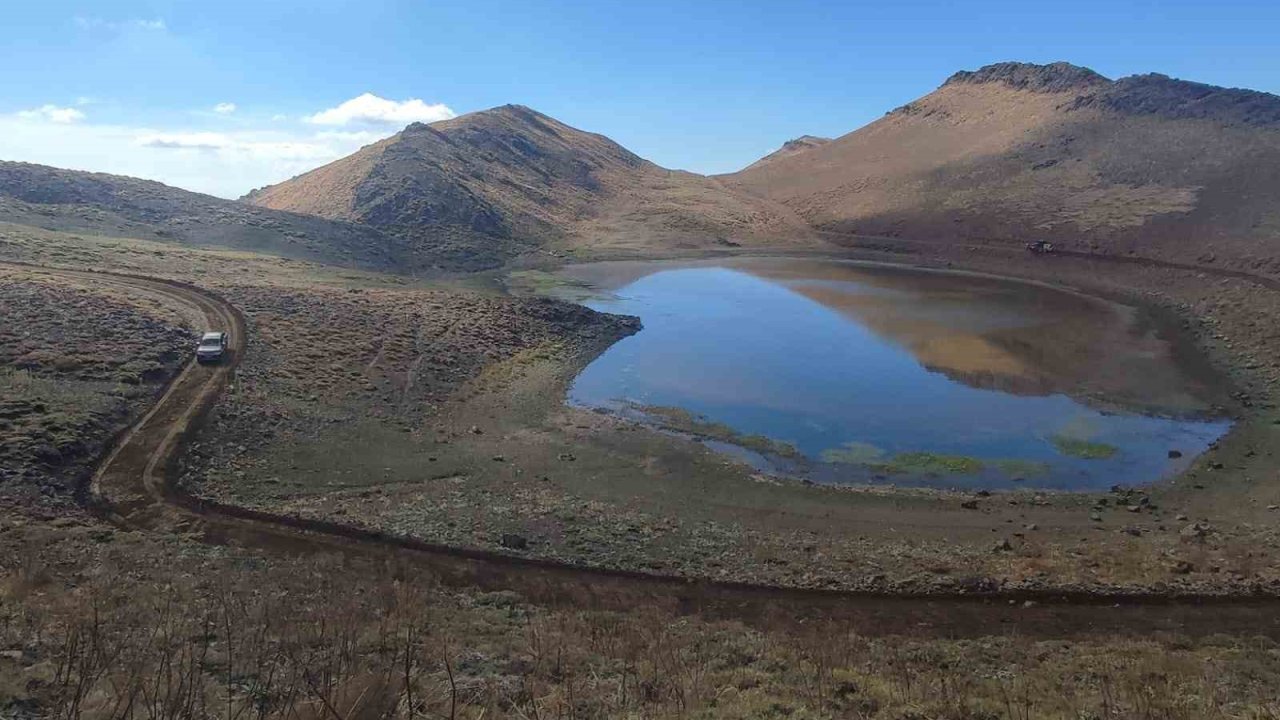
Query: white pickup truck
{"x": 213, "y": 345}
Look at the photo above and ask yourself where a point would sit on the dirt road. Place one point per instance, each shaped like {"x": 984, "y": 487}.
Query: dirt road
{"x": 133, "y": 488}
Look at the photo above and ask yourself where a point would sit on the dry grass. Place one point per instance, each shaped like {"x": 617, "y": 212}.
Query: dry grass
{"x": 176, "y": 631}
{"x": 95, "y": 622}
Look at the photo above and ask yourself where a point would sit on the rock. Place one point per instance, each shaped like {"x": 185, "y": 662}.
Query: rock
{"x": 1002, "y": 545}
{"x": 1131, "y": 530}
{"x": 475, "y": 430}
{"x": 1180, "y": 516}
{"x": 566, "y": 457}
{"x": 1196, "y": 530}
{"x": 499, "y": 458}
{"x": 1181, "y": 567}
{"x": 514, "y": 541}
{"x": 1031, "y": 526}
{"x": 1134, "y": 508}
{"x": 969, "y": 504}
{"x": 1096, "y": 517}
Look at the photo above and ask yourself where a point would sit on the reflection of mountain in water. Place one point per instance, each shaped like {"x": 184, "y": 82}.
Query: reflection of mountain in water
{"x": 985, "y": 332}
{"x": 1012, "y": 337}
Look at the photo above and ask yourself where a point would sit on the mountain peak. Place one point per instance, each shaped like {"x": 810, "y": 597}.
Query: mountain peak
{"x": 505, "y": 114}
{"x": 791, "y": 147}
{"x": 1052, "y": 78}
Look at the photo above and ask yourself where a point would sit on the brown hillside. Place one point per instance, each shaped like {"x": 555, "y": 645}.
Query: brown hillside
{"x": 1144, "y": 165}
{"x": 486, "y": 187}
{"x": 789, "y": 148}
{"x": 71, "y": 200}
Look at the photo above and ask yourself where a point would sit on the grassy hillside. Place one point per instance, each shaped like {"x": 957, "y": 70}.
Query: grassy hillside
{"x": 61, "y": 200}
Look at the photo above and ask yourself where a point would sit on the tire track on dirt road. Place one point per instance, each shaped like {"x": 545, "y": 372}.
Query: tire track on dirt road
{"x": 134, "y": 487}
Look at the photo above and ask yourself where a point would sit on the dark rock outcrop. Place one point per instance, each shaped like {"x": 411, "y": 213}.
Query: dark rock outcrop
{"x": 1052, "y": 78}
{"x": 1167, "y": 97}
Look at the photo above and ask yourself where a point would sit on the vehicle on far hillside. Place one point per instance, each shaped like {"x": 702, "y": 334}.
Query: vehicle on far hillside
{"x": 212, "y": 347}
{"x": 1040, "y": 246}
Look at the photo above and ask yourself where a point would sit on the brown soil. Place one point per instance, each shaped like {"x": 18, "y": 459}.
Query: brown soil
{"x": 785, "y": 626}
{"x": 79, "y": 360}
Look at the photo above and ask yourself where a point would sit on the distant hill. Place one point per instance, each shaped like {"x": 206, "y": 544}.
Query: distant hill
{"x": 486, "y": 187}
{"x": 70, "y": 200}
{"x": 1146, "y": 165}
{"x": 789, "y": 148}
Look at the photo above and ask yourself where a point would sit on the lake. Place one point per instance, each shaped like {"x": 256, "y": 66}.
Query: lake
{"x": 839, "y": 372}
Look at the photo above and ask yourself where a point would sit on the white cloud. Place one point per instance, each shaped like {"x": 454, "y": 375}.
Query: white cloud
{"x": 225, "y": 108}
{"x": 54, "y": 114}
{"x": 96, "y": 23}
{"x": 196, "y": 140}
{"x": 247, "y": 144}
{"x": 200, "y": 154}
{"x": 371, "y": 109}
{"x": 225, "y": 163}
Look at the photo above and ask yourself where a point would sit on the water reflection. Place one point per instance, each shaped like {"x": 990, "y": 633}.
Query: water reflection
{"x": 847, "y": 373}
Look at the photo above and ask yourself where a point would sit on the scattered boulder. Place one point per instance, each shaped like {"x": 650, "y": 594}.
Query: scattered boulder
{"x": 1196, "y": 531}
{"x": 514, "y": 541}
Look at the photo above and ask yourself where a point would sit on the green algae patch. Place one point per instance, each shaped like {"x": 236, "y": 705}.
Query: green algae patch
{"x": 926, "y": 463}
{"x": 545, "y": 284}
{"x": 1084, "y": 449}
{"x": 681, "y": 420}
{"x": 934, "y": 463}
{"x": 853, "y": 453}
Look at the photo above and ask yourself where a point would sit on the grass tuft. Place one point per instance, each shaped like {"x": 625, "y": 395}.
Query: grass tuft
{"x": 1084, "y": 449}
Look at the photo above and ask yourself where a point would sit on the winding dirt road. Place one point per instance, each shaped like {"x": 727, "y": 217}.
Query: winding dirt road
{"x": 134, "y": 488}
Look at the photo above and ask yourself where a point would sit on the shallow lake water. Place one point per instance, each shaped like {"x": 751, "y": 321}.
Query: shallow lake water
{"x": 846, "y": 373}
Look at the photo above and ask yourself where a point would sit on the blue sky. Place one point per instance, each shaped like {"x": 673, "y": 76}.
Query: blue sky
{"x": 132, "y": 86}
